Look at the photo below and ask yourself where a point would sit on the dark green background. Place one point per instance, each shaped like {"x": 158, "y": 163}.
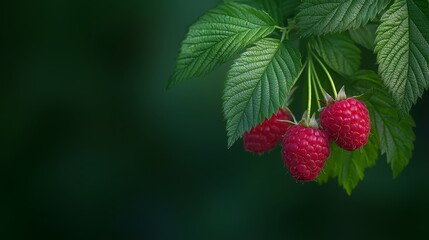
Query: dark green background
{"x": 93, "y": 147}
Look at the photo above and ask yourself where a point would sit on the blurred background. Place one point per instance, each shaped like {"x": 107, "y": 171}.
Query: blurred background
{"x": 93, "y": 147}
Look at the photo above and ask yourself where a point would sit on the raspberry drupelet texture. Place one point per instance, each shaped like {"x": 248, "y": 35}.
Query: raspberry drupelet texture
{"x": 347, "y": 123}
{"x": 305, "y": 151}
{"x": 266, "y": 135}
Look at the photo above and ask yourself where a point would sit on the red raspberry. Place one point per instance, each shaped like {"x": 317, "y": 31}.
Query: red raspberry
{"x": 347, "y": 122}
{"x": 305, "y": 151}
{"x": 266, "y": 135}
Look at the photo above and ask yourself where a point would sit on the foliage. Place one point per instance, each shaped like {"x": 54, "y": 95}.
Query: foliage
{"x": 402, "y": 44}
{"x": 270, "y": 39}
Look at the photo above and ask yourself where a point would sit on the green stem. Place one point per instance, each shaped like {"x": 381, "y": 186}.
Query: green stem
{"x": 317, "y": 80}
{"x": 327, "y": 73}
{"x": 284, "y": 31}
{"x": 302, "y": 68}
{"x": 309, "y": 88}
{"x": 314, "y": 84}
{"x": 285, "y": 34}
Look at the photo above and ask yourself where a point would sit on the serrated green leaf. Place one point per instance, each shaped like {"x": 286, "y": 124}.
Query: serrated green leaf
{"x": 258, "y": 83}
{"x": 339, "y": 52}
{"x": 272, "y": 7}
{"x": 364, "y": 36}
{"x": 395, "y": 132}
{"x": 349, "y": 166}
{"x": 278, "y": 9}
{"x": 289, "y": 7}
{"x": 318, "y": 17}
{"x": 403, "y": 51}
{"x": 217, "y": 36}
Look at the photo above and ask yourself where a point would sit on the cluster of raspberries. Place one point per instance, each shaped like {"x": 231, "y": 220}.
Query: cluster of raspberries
{"x": 305, "y": 148}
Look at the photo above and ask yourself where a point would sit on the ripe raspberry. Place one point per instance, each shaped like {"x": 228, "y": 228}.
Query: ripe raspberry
{"x": 347, "y": 122}
{"x": 305, "y": 151}
{"x": 266, "y": 135}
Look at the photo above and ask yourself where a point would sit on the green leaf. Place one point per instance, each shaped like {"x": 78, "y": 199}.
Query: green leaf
{"x": 339, "y": 52}
{"x": 217, "y": 36}
{"x": 289, "y": 7}
{"x": 319, "y": 17}
{"x": 349, "y": 166}
{"x": 272, "y": 7}
{"x": 403, "y": 51}
{"x": 364, "y": 36}
{"x": 258, "y": 83}
{"x": 395, "y": 132}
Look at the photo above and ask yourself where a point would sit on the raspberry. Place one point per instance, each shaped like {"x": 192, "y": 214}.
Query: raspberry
{"x": 347, "y": 122}
{"x": 305, "y": 151}
{"x": 266, "y": 135}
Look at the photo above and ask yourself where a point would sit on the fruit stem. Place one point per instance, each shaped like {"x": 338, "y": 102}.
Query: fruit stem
{"x": 317, "y": 80}
{"x": 318, "y": 83}
{"x": 327, "y": 73}
{"x": 314, "y": 84}
{"x": 302, "y": 69}
{"x": 309, "y": 87}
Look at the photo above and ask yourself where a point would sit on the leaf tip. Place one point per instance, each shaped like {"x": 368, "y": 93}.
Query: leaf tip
{"x": 168, "y": 86}
{"x": 231, "y": 141}
{"x": 349, "y": 192}
{"x": 171, "y": 82}
{"x": 348, "y": 189}
{"x": 396, "y": 172}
